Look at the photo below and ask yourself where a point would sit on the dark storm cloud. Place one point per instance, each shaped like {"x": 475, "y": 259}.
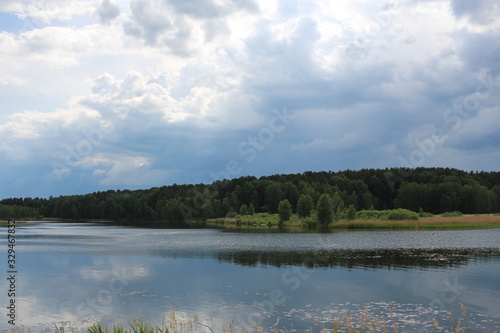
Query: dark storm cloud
{"x": 481, "y": 51}
{"x": 195, "y": 85}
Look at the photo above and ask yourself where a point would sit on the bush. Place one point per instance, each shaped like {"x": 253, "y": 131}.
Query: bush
{"x": 231, "y": 215}
{"x": 452, "y": 214}
{"x": 421, "y": 213}
{"x": 402, "y": 214}
{"x": 371, "y": 214}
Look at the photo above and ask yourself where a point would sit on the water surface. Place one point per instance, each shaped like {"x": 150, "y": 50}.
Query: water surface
{"x": 72, "y": 272}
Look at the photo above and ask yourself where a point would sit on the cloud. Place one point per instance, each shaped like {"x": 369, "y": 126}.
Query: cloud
{"x": 127, "y": 171}
{"x": 148, "y": 21}
{"x": 481, "y": 12}
{"x": 107, "y": 11}
{"x": 480, "y": 51}
{"x": 114, "y": 134}
{"x": 182, "y": 85}
{"x": 211, "y": 9}
{"x": 183, "y": 27}
{"x": 48, "y": 11}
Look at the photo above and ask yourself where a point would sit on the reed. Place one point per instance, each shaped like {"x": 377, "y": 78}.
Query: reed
{"x": 366, "y": 221}
{"x": 362, "y": 321}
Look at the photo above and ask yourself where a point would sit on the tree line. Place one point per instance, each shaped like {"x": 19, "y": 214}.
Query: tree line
{"x": 434, "y": 190}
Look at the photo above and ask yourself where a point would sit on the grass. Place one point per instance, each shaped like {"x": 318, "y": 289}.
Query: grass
{"x": 361, "y": 321}
{"x": 368, "y": 220}
{"x": 4, "y": 223}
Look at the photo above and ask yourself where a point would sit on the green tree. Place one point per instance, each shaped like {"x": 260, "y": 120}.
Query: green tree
{"x": 305, "y": 206}
{"x": 273, "y": 196}
{"x": 251, "y": 209}
{"x": 351, "y": 213}
{"x": 338, "y": 206}
{"x": 225, "y": 207}
{"x": 325, "y": 209}
{"x": 291, "y": 193}
{"x": 284, "y": 210}
{"x": 243, "y": 209}
{"x": 208, "y": 210}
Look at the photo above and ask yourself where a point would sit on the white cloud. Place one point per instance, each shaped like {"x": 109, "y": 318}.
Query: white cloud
{"x": 48, "y": 11}
{"x": 179, "y": 81}
{"x": 127, "y": 171}
{"x": 107, "y": 11}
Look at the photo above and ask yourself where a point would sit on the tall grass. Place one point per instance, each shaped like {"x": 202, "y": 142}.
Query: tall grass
{"x": 361, "y": 321}
{"x": 366, "y": 219}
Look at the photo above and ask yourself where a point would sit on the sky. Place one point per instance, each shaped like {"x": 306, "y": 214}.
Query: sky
{"x": 130, "y": 94}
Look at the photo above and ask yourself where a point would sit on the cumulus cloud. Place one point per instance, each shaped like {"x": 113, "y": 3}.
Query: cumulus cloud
{"x": 175, "y": 87}
{"x": 107, "y": 11}
{"x": 148, "y": 21}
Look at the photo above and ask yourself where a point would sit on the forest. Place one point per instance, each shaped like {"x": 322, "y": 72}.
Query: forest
{"x": 434, "y": 190}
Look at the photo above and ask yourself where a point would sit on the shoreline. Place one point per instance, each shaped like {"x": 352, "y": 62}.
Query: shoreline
{"x": 437, "y": 222}
{"x": 270, "y": 222}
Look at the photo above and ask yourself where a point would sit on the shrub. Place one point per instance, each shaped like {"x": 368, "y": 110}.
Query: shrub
{"x": 371, "y": 214}
{"x": 421, "y": 213}
{"x": 452, "y": 214}
{"x": 402, "y": 214}
{"x": 231, "y": 215}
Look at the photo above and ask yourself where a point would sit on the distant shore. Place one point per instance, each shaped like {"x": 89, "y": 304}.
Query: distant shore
{"x": 264, "y": 221}
{"x": 468, "y": 221}
{"x": 4, "y": 222}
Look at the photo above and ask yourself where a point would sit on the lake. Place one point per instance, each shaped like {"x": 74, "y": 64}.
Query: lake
{"x": 72, "y": 273}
